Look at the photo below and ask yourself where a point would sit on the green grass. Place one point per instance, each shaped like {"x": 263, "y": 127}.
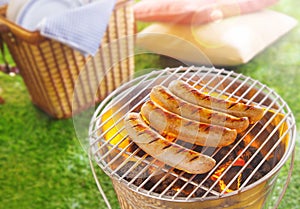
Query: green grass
{"x": 42, "y": 164}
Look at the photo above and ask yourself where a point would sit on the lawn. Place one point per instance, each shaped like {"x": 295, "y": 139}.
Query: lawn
{"x": 42, "y": 164}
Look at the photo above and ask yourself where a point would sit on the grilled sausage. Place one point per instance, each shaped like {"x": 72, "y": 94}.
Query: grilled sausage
{"x": 191, "y": 94}
{"x": 170, "y": 153}
{"x": 187, "y": 130}
{"x": 166, "y": 99}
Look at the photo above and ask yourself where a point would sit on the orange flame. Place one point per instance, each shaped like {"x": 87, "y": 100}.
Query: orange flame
{"x": 216, "y": 176}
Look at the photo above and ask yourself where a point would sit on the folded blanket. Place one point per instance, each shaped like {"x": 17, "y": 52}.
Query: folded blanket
{"x": 80, "y": 28}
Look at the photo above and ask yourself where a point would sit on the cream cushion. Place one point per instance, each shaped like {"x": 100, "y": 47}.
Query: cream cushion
{"x": 232, "y": 41}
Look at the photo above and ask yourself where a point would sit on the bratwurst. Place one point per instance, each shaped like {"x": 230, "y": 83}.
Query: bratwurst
{"x": 193, "y": 95}
{"x": 194, "y": 132}
{"x": 166, "y": 99}
{"x": 168, "y": 152}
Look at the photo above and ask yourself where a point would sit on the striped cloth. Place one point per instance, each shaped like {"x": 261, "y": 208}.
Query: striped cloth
{"x": 81, "y": 28}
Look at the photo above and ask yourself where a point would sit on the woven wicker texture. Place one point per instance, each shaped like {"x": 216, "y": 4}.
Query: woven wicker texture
{"x": 51, "y": 70}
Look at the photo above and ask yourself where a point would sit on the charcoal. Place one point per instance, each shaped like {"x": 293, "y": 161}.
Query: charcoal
{"x": 232, "y": 172}
{"x": 134, "y": 172}
{"x": 223, "y": 152}
{"x": 138, "y": 181}
{"x": 208, "y": 183}
{"x": 148, "y": 185}
{"x": 257, "y": 160}
{"x": 173, "y": 191}
{"x": 248, "y": 153}
{"x": 199, "y": 192}
{"x": 199, "y": 179}
{"x": 265, "y": 168}
{"x": 134, "y": 147}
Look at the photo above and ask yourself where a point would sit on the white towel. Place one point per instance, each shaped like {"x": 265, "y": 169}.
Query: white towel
{"x": 81, "y": 28}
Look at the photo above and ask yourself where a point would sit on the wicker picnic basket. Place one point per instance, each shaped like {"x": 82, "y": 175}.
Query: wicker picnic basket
{"x": 51, "y": 70}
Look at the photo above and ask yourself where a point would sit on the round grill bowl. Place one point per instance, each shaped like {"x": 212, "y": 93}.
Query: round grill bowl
{"x": 136, "y": 176}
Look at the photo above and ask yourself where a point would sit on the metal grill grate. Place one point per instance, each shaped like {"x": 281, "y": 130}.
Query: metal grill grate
{"x": 121, "y": 159}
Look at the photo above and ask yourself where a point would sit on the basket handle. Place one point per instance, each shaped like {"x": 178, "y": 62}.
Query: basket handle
{"x": 4, "y": 27}
{"x": 31, "y": 37}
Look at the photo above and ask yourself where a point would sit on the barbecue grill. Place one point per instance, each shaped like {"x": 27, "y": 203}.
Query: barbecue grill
{"x": 245, "y": 172}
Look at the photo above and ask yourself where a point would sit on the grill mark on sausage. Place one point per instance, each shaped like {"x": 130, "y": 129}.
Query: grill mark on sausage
{"x": 189, "y": 123}
{"x": 232, "y": 105}
{"x": 139, "y": 134}
{"x": 154, "y": 140}
{"x": 180, "y": 150}
{"x": 209, "y": 117}
{"x": 193, "y": 91}
{"x": 169, "y": 97}
{"x": 168, "y": 146}
{"x": 136, "y": 125}
{"x": 206, "y": 97}
{"x": 132, "y": 119}
{"x": 174, "y": 140}
{"x": 194, "y": 158}
{"x": 248, "y": 108}
{"x": 171, "y": 116}
{"x": 207, "y": 128}
{"x": 161, "y": 90}
{"x": 244, "y": 118}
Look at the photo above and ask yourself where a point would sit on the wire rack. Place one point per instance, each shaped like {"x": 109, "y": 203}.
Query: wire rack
{"x": 123, "y": 161}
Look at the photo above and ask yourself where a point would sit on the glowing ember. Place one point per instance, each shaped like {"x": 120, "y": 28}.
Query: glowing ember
{"x": 223, "y": 187}
{"x": 224, "y": 179}
{"x": 222, "y": 184}
{"x": 177, "y": 189}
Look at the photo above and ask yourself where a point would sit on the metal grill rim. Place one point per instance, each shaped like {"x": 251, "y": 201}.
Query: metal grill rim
{"x": 180, "y": 73}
